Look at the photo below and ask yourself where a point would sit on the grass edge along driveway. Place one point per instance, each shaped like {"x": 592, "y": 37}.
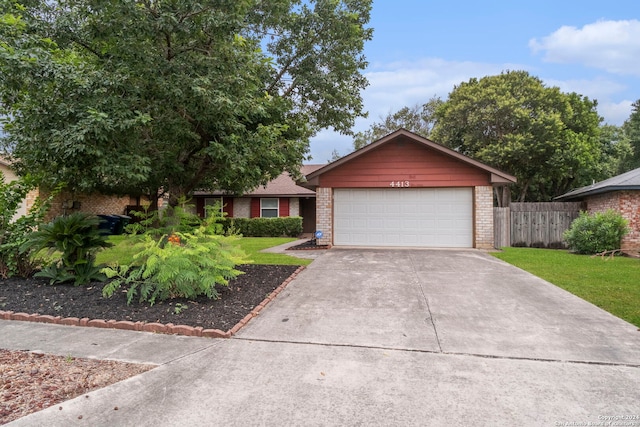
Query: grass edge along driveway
{"x": 123, "y": 250}
{"x": 612, "y": 284}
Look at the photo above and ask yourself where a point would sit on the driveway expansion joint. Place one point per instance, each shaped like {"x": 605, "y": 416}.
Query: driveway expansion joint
{"x": 444, "y": 353}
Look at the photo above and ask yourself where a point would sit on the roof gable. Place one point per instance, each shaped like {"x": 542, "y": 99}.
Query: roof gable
{"x": 626, "y": 181}
{"x": 282, "y": 186}
{"x": 495, "y": 176}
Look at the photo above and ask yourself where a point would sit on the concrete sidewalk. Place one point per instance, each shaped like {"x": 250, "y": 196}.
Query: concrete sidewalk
{"x": 371, "y": 337}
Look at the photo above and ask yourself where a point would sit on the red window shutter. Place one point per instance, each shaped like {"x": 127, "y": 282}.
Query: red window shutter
{"x": 200, "y": 206}
{"x": 255, "y": 207}
{"x": 284, "y": 207}
{"x": 228, "y": 206}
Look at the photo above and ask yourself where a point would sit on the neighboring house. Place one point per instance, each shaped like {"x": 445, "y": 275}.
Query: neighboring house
{"x": 281, "y": 197}
{"x": 9, "y": 176}
{"x": 405, "y": 190}
{"x": 620, "y": 193}
{"x": 66, "y": 203}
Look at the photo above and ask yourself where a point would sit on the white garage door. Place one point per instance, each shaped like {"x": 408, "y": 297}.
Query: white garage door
{"x": 423, "y": 217}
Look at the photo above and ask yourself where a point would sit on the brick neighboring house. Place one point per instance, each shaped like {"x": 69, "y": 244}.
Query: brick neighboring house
{"x": 281, "y": 197}
{"x": 66, "y": 202}
{"x": 9, "y": 176}
{"x": 405, "y": 190}
{"x": 620, "y": 193}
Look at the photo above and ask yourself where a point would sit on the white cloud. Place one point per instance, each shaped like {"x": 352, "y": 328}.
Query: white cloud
{"x": 399, "y": 84}
{"x": 603, "y": 90}
{"x": 609, "y": 45}
{"x": 615, "y": 113}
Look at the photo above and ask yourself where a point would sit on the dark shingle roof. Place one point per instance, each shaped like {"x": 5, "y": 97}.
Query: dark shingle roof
{"x": 626, "y": 181}
{"x": 282, "y": 186}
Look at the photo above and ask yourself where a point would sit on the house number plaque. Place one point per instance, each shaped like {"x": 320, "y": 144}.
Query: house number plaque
{"x": 400, "y": 184}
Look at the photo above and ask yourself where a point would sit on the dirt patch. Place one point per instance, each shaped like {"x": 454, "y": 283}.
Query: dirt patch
{"x": 30, "y": 382}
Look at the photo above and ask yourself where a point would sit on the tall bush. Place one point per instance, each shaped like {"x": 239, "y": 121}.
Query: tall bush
{"x": 14, "y": 231}
{"x": 596, "y": 233}
{"x": 179, "y": 265}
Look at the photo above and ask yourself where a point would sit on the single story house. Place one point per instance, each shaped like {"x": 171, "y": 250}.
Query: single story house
{"x": 405, "y": 190}
{"x": 281, "y": 197}
{"x": 620, "y": 193}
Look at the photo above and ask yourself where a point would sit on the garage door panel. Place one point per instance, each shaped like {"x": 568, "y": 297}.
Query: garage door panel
{"x": 426, "y": 217}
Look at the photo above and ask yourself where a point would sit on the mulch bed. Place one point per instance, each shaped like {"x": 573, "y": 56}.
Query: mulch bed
{"x": 308, "y": 245}
{"x": 244, "y": 293}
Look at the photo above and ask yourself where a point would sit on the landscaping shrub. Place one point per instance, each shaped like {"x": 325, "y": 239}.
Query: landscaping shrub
{"x": 179, "y": 265}
{"x": 264, "y": 227}
{"x": 14, "y": 232}
{"x": 596, "y": 233}
{"x": 76, "y": 239}
{"x": 174, "y": 218}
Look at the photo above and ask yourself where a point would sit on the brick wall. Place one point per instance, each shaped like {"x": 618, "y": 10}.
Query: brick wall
{"x": 98, "y": 204}
{"x": 483, "y": 217}
{"x": 242, "y": 207}
{"x": 294, "y": 206}
{"x": 324, "y": 214}
{"x": 628, "y": 204}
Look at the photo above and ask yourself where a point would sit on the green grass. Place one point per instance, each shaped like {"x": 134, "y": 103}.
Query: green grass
{"x": 122, "y": 252}
{"x": 611, "y": 284}
{"x": 253, "y": 245}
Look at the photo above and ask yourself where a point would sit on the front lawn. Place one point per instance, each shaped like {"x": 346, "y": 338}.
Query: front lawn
{"x": 123, "y": 251}
{"x": 611, "y": 284}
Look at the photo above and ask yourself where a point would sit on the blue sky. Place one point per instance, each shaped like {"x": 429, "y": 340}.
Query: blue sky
{"x": 422, "y": 48}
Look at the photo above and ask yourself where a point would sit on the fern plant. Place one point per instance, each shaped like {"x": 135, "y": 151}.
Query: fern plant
{"x": 179, "y": 265}
{"x": 76, "y": 239}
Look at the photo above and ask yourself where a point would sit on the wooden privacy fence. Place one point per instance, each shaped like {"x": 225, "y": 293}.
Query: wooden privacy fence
{"x": 534, "y": 224}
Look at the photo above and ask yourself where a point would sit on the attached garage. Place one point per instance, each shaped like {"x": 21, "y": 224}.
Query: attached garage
{"x": 405, "y": 190}
{"x": 416, "y": 217}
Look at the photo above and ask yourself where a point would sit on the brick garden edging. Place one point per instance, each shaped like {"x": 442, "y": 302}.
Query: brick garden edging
{"x": 160, "y": 328}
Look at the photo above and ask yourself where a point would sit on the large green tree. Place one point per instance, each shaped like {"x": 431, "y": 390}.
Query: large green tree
{"x": 141, "y": 96}
{"x": 631, "y": 128}
{"x": 617, "y": 151}
{"x": 548, "y": 139}
{"x": 419, "y": 119}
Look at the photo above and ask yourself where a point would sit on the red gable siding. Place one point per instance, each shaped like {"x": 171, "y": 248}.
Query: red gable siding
{"x": 404, "y": 161}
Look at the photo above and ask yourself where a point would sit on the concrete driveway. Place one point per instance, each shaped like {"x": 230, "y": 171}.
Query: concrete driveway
{"x": 384, "y": 337}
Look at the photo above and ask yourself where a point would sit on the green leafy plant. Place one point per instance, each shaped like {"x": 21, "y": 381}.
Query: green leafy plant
{"x": 179, "y": 265}
{"x": 14, "y": 231}
{"x": 75, "y": 239}
{"x": 264, "y": 227}
{"x": 144, "y": 220}
{"x": 596, "y": 233}
{"x": 179, "y": 308}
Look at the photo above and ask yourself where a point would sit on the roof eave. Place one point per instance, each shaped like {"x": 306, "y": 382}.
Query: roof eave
{"x": 580, "y": 194}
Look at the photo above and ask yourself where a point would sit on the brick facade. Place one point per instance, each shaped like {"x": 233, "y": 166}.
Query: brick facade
{"x": 98, "y": 204}
{"x": 483, "y": 217}
{"x": 324, "y": 214}
{"x": 628, "y": 204}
